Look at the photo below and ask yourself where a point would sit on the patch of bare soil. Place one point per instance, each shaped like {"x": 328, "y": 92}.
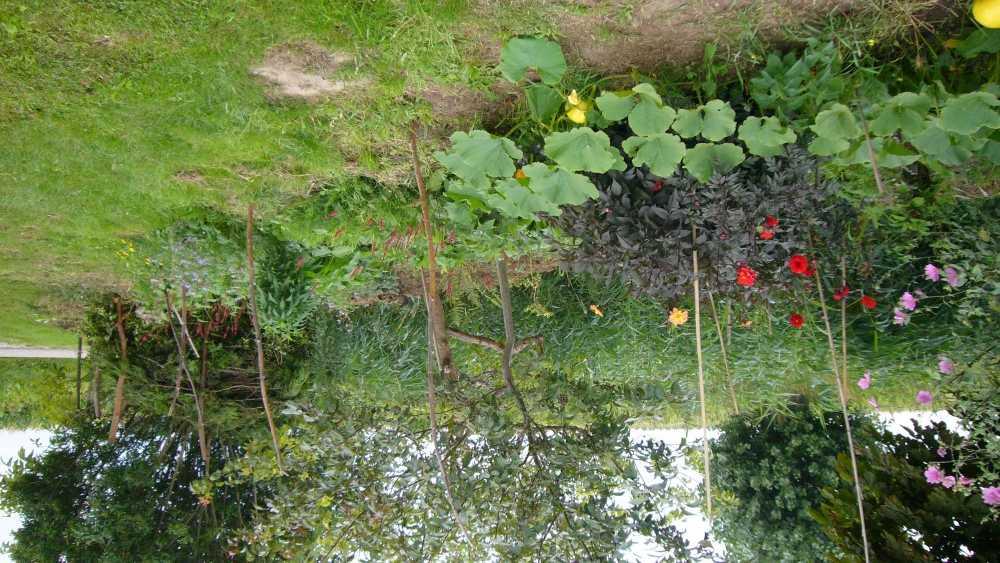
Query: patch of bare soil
{"x": 614, "y": 36}
{"x": 189, "y": 177}
{"x": 304, "y": 71}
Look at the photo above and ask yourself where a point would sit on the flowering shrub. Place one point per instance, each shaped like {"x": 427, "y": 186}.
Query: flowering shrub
{"x": 640, "y": 227}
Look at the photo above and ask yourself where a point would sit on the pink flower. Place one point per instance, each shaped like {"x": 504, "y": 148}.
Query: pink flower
{"x": 945, "y": 366}
{"x": 964, "y": 481}
{"x": 932, "y": 272}
{"x": 908, "y": 301}
{"x": 991, "y": 495}
{"x": 900, "y": 317}
{"x": 948, "y": 482}
{"x": 873, "y": 403}
{"x": 933, "y": 475}
{"x": 866, "y": 381}
{"x": 951, "y": 275}
{"x": 942, "y": 452}
{"x": 924, "y": 397}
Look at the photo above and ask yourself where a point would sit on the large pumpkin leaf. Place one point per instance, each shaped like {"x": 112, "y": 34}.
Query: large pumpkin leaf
{"x": 889, "y": 154}
{"x": 838, "y": 122}
{"x": 584, "y": 149}
{"x": 970, "y": 112}
{"x": 714, "y": 121}
{"x": 707, "y": 159}
{"x": 903, "y": 112}
{"x": 523, "y": 53}
{"x": 649, "y": 119}
{"x": 824, "y": 146}
{"x": 558, "y": 186}
{"x": 543, "y": 101}
{"x": 516, "y": 201}
{"x": 615, "y": 107}
{"x": 477, "y": 154}
{"x": 938, "y": 144}
{"x": 661, "y": 153}
{"x": 765, "y": 137}
{"x": 647, "y": 91}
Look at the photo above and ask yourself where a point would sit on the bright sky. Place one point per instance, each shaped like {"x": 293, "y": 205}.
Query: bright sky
{"x": 694, "y": 525}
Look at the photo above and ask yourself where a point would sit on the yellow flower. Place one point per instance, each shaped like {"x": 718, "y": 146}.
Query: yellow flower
{"x": 678, "y": 316}
{"x": 519, "y": 174}
{"x": 596, "y": 310}
{"x": 576, "y": 109}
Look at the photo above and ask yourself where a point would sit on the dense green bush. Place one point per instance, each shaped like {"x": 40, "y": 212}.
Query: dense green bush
{"x": 769, "y": 471}
{"x": 36, "y": 393}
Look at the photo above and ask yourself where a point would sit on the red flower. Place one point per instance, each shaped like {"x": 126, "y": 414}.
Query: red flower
{"x": 868, "y": 302}
{"x": 799, "y": 264}
{"x": 841, "y": 293}
{"x": 796, "y": 320}
{"x": 745, "y": 276}
{"x": 766, "y": 234}
{"x": 657, "y": 186}
{"x": 771, "y": 221}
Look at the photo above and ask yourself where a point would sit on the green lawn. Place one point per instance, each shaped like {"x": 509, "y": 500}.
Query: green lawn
{"x": 109, "y": 109}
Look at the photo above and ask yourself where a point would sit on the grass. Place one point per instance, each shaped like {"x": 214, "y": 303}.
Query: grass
{"x": 107, "y": 104}
{"x": 380, "y": 355}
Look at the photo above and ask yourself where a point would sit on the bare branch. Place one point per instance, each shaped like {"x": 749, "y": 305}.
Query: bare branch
{"x": 494, "y": 345}
{"x": 260, "y": 344}
{"x": 119, "y": 404}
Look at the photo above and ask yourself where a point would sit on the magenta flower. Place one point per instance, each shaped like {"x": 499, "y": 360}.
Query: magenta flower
{"x": 964, "y": 481}
{"x": 942, "y": 452}
{"x": 932, "y": 272}
{"x": 873, "y": 403}
{"x": 945, "y": 366}
{"x": 991, "y": 495}
{"x": 900, "y": 317}
{"x": 948, "y": 481}
{"x": 933, "y": 475}
{"x": 908, "y": 301}
{"x": 866, "y": 381}
{"x": 924, "y": 397}
{"x": 951, "y": 275}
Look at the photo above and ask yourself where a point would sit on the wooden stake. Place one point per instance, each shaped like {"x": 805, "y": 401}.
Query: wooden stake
{"x": 843, "y": 407}
{"x": 707, "y": 449}
{"x": 260, "y": 343}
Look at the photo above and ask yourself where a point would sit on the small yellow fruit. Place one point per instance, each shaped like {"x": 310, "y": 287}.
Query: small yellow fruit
{"x": 987, "y": 13}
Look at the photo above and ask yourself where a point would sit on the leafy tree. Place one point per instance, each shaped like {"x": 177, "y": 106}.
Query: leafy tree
{"x": 907, "y": 518}
{"x": 83, "y": 499}
{"x": 36, "y": 393}
{"x": 770, "y": 470}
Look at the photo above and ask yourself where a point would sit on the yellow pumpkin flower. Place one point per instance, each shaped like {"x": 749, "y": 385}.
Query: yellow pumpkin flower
{"x": 596, "y": 310}
{"x": 576, "y": 109}
{"x": 519, "y": 174}
{"x": 987, "y": 13}
{"x": 678, "y": 316}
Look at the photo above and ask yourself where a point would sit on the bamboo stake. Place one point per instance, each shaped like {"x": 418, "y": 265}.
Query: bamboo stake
{"x": 725, "y": 358}
{"x": 843, "y": 406}
{"x": 843, "y": 329}
{"x": 701, "y": 375}
{"x": 119, "y": 404}
{"x": 260, "y": 344}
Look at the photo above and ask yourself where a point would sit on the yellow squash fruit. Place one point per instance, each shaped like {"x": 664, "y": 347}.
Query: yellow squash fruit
{"x": 987, "y": 13}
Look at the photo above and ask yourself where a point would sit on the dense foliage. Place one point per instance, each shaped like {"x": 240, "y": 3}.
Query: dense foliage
{"x": 770, "y": 470}
{"x": 908, "y": 518}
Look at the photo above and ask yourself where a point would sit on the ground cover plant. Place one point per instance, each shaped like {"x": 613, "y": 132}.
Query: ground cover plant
{"x": 397, "y": 280}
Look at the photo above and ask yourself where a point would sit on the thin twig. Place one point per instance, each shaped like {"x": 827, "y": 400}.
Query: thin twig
{"x": 843, "y": 329}
{"x": 843, "y": 407}
{"x": 432, "y": 361}
{"x": 701, "y": 374}
{"x": 260, "y": 344}
{"x": 180, "y": 341}
{"x": 521, "y": 346}
{"x": 725, "y": 356}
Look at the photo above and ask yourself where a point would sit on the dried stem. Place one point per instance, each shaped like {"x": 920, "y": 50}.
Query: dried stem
{"x": 119, "y": 404}
{"x": 725, "y": 356}
{"x": 843, "y": 330}
{"x": 199, "y": 408}
{"x": 843, "y": 407}
{"x": 494, "y": 345}
{"x": 260, "y": 344}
